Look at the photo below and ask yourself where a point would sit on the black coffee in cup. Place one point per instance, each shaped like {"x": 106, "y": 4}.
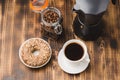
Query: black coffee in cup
{"x": 74, "y": 51}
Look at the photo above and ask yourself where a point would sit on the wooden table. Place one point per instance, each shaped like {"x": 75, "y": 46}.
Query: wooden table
{"x": 18, "y": 23}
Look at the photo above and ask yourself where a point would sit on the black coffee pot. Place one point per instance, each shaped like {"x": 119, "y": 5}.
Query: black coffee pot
{"x": 88, "y": 26}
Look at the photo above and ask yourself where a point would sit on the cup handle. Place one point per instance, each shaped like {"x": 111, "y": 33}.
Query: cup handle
{"x": 86, "y": 59}
{"x": 58, "y": 29}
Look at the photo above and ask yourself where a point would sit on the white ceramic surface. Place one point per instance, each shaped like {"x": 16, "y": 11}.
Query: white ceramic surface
{"x": 68, "y": 68}
{"x": 73, "y": 67}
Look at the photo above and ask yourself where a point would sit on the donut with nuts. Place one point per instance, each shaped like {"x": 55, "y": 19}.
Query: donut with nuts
{"x": 32, "y": 45}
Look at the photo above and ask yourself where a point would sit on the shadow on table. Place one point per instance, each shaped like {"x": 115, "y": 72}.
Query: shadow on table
{"x": 107, "y": 37}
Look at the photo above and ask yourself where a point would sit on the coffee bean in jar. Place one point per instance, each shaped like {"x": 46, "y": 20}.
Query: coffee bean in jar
{"x": 51, "y": 16}
{"x": 51, "y": 21}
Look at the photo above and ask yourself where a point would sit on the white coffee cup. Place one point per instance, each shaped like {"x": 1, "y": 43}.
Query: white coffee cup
{"x": 68, "y": 64}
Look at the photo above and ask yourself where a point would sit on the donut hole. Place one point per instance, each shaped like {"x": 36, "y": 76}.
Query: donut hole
{"x": 35, "y": 52}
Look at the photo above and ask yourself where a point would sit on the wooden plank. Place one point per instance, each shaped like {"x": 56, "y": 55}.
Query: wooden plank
{"x": 18, "y": 23}
{"x": 6, "y": 46}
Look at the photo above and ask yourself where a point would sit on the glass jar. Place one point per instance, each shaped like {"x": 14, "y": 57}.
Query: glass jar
{"x": 51, "y": 20}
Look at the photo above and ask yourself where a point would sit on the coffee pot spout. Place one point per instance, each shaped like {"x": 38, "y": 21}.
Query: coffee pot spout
{"x": 78, "y": 11}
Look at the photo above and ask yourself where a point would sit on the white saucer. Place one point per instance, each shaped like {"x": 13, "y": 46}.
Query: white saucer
{"x": 71, "y": 69}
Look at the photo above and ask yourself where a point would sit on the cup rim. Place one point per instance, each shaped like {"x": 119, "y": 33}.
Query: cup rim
{"x": 81, "y": 43}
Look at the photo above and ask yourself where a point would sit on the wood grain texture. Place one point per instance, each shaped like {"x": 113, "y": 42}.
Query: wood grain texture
{"x": 18, "y": 23}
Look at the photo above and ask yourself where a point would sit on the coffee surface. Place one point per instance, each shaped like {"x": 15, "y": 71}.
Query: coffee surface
{"x": 74, "y": 51}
